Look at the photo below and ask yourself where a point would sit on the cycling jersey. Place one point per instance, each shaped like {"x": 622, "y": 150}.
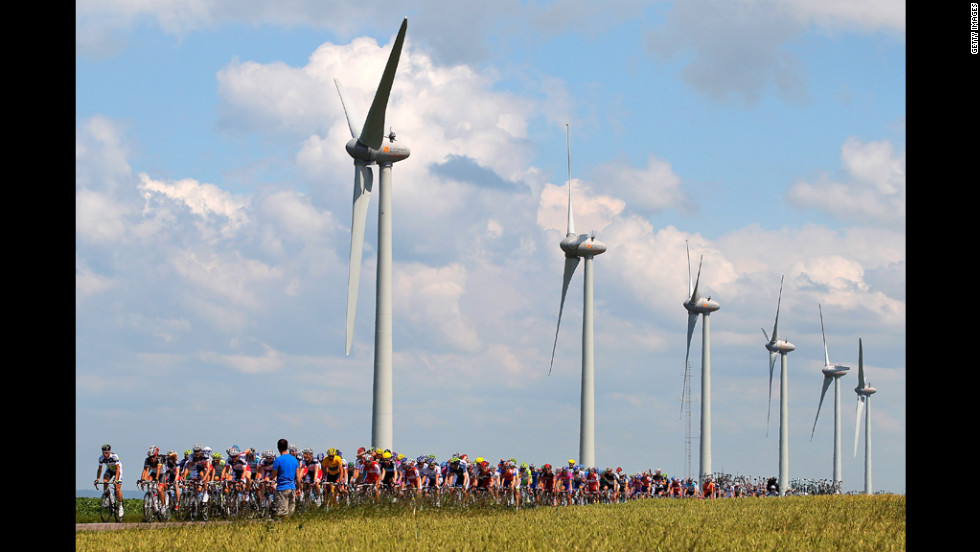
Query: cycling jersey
{"x": 154, "y": 467}
{"x": 238, "y": 468}
{"x": 111, "y": 464}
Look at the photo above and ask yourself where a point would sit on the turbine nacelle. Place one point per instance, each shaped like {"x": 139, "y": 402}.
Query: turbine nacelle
{"x": 702, "y": 306}
{"x": 835, "y": 370}
{"x": 386, "y": 154}
{"x": 866, "y": 391}
{"x": 582, "y": 245}
{"x": 780, "y": 346}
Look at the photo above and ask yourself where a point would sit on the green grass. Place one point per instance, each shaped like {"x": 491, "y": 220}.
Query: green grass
{"x": 831, "y": 523}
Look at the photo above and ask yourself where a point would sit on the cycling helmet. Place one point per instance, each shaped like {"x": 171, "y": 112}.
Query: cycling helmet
{"x": 332, "y": 452}
{"x": 386, "y": 456}
{"x": 216, "y": 456}
{"x": 308, "y": 450}
{"x": 171, "y": 452}
{"x": 187, "y": 453}
{"x": 153, "y": 450}
{"x": 106, "y": 447}
{"x": 233, "y": 452}
{"x": 524, "y": 465}
{"x": 197, "y": 448}
{"x": 547, "y": 466}
{"x": 267, "y": 453}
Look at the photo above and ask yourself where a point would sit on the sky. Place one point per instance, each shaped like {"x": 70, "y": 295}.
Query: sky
{"x": 213, "y": 205}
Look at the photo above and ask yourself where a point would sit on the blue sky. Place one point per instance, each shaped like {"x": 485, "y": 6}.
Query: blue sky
{"x": 213, "y": 225}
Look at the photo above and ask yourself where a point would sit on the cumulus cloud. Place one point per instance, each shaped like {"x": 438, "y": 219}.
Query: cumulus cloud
{"x": 872, "y": 188}
{"x": 739, "y": 49}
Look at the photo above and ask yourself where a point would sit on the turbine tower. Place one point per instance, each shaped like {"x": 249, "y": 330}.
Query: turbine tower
{"x": 780, "y": 347}
{"x": 697, "y": 306}
{"x": 864, "y": 392}
{"x": 831, "y": 372}
{"x": 576, "y": 248}
{"x": 367, "y": 148}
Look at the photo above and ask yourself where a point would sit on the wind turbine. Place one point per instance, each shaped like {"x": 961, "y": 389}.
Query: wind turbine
{"x": 697, "y": 306}
{"x": 367, "y": 148}
{"x": 780, "y": 347}
{"x": 831, "y": 372}
{"x": 576, "y": 248}
{"x": 864, "y": 392}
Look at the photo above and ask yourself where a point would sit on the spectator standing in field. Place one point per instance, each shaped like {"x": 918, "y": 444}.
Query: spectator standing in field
{"x": 285, "y": 470}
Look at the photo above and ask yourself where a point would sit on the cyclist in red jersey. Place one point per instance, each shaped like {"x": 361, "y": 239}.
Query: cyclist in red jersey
{"x": 546, "y": 484}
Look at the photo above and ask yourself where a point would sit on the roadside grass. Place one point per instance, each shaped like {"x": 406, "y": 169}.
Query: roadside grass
{"x": 821, "y": 523}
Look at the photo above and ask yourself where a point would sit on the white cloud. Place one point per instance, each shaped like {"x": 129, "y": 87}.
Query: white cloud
{"x": 872, "y": 190}
{"x": 207, "y": 201}
{"x": 429, "y": 298}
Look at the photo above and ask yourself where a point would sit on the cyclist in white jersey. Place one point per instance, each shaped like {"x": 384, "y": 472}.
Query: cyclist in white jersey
{"x": 113, "y": 470}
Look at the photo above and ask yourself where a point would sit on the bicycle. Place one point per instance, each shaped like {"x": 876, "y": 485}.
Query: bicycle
{"x": 192, "y": 500}
{"x": 108, "y": 505}
{"x": 152, "y": 507}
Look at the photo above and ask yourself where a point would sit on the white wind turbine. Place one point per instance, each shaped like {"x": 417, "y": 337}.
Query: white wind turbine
{"x": 367, "y": 147}
{"x": 780, "y": 347}
{"x": 831, "y": 372}
{"x": 577, "y": 247}
{"x": 864, "y": 392}
{"x": 698, "y": 306}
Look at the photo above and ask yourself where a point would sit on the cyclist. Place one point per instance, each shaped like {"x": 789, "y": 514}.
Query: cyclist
{"x": 198, "y": 469}
{"x": 412, "y": 478}
{"x": 563, "y": 485}
{"x": 546, "y": 484}
{"x": 154, "y": 469}
{"x": 509, "y": 480}
{"x": 431, "y": 477}
{"x": 263, "y": 474}
{"x": 113, "y": 470}
{"x": 309, "y": 470}
{"x": 457, "y": 474}
{"x": 390, "y": 475}
{"x": 237, "y": 469}
{"x": 592, "y": 483}
{"x": 484, "y": 477}
{"x": 611, "y": 482}
{"x": 172, "y": 476}
{"x": 334, "y": 471}
{"x": 372, "y": 471}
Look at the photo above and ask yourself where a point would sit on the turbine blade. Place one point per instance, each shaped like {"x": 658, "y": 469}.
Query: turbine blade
{"x": 857, "y": 423}
{"x": 826, "y": 384}
{"x": 697, "y": 282}
{"x": 571, "y": 220}
{"x": 352, "y": 119}
{"x": 692, "y": 321}
{"x": 775, "y": 325}
{"x": 772, "y": 364}
{"x": 373, "y": 131}
{"x": 826, "y": 355}
{"x": 363, "y": 182}
{"x": 861, "y": 383}
{"x": 765, "y": 334}
{"x": 570, "y": 264}
{"x": 690, "y": 277}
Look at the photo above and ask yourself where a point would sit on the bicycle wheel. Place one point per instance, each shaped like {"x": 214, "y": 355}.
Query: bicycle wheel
{"x": 107, "y": 507}
{"x": 232, "y": 504}
{"x": 148, "y": 506}
{"x": 163, "y": 510}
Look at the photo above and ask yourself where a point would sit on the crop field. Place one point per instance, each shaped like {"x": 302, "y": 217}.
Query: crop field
{"x": 831, "y": 523}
